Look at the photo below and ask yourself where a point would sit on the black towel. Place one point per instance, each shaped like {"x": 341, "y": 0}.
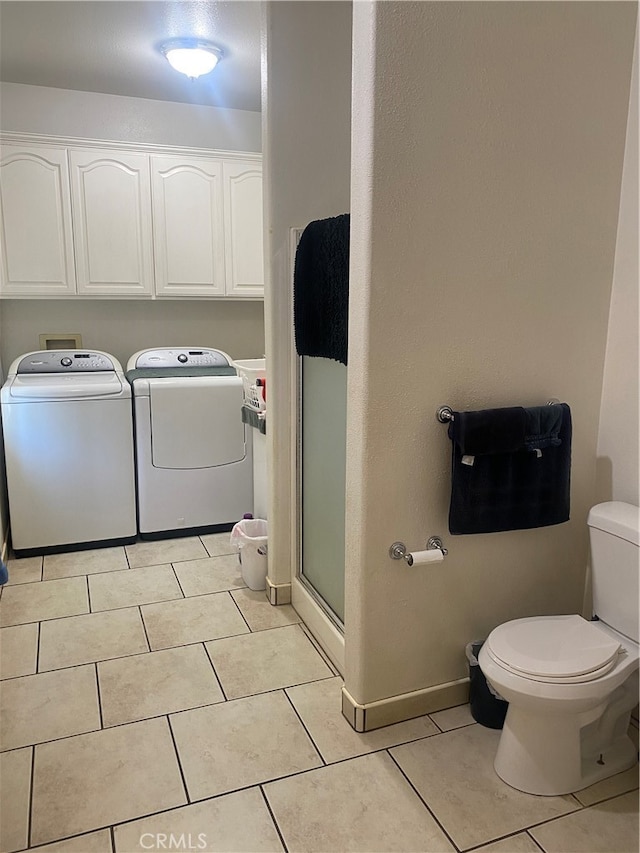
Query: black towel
{"x": 321, "y": 289}
{"x": 510, "y": 469}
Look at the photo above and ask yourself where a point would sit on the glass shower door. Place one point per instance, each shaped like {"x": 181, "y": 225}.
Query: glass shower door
{"x": 323, "y": 414}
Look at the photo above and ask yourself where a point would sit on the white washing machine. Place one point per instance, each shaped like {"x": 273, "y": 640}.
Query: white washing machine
{"x": 68, "y": 436}
{"x": 193, "y": 453}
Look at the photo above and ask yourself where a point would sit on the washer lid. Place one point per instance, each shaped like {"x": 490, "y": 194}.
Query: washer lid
{"x": 71, "y": 386}
{"x": 552, "y": 646}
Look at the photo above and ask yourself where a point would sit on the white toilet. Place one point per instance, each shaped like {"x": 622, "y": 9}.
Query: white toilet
{"x": 572, "y": 684}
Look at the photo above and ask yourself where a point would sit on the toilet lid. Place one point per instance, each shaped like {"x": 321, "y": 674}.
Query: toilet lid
{"x": 555, "y": 647}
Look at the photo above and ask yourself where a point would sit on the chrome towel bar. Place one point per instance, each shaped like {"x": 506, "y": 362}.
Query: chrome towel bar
{"x": 445, "y": 413}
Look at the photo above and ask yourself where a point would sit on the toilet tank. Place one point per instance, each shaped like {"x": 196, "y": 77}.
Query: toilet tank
{"x": 614, "y": 533}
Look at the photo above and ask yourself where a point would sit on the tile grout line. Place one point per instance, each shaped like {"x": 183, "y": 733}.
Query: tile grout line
{"x": 38, "y": 646}
{"x": 86, "y": 574}
{"x": 131, "y": 606}
{"x": 539, "y": 846}
{"x": 316, "y": 645}
{"x": 215, "y": 674}
{"x": 175, "y": 574}
{"x": 235, "y": 604}
{"x": 500, "y": 839}
{"x": 99, "y": 695}
{"x": 295, "y": 711}
{"x": 157, "y": 716}
{"x": 33, "y": 772}
{"x": 89, "y": 662}
{"x": 161, "y": 714}
{"x": 177, "y": 753}
{"x": 144, "y": 628}
{"x": 13, "y": 584}
{"x": 580, "y": 808}
{"x": 285, "y": 687}
{"x": 154, "y": 565}
{"x": 168, "y": 811}
{"x": 66, "y": 838}
{"x": 203, "y": 545}
{"x": 112, "y": 838}
{"x": 273, "y": 817}
{"x": 86, "y": 577}
{"x": 134, "y": 654}
{"x": 421, "y": 798}
{"x": 382, "y": 748}
{"x": 441, "y": 731}
{"x": 102, "y": 828}
{"x": 40, "y": 619}
{"x": 255, "y": 784}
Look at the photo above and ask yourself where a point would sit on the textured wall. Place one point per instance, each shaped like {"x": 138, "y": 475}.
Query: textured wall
{"x": 618, "y": 468}
{"x": 122, "y": 328}
{"x": 62, "y": 112}
{"x": 488, "y": 143}
{"x": 307, "y": 104}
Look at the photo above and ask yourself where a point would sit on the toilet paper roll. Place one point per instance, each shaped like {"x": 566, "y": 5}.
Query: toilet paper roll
{"x": 419, "y": 558}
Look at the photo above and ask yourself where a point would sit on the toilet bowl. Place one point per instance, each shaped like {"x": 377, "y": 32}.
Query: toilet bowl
{"x": 566, "y": 726}
{"x": 571, "y": 683}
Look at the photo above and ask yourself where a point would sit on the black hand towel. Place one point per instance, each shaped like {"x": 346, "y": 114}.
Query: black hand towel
{"x": 489, "y": 431}
{"x": 516, "y": 469}
{"x": 321, "y": 289}
{"x": 542, "y": 427}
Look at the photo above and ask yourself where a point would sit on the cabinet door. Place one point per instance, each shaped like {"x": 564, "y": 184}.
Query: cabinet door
{"x": 35, "y": 222}
{"x": 112, "y": 222}
{"x": 243, "y": 228}
{"x": 187, "y": 226}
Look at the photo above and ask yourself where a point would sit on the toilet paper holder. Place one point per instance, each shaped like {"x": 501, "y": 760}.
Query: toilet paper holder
{"x": 435, "y": 552}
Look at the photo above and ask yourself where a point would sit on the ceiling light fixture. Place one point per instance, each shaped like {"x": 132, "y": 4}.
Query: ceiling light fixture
{"x": 193, "y": 57}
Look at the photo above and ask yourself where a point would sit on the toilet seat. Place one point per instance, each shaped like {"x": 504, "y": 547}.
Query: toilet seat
{"x": 553, "y": 649}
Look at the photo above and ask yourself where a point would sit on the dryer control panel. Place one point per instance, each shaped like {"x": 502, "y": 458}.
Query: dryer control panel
{"x": 159, "y": 358}
{"x": 65, "y": 361}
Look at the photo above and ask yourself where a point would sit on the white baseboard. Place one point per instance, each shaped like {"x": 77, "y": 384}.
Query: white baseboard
{"x": 405, "y": 706}
{"x": 278, "y": 593}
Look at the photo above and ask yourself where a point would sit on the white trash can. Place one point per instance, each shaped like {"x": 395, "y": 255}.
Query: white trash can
{"x": 250, "y": 537}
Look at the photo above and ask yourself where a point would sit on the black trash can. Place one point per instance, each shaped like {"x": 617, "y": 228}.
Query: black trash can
{"x": 486, "y": 708}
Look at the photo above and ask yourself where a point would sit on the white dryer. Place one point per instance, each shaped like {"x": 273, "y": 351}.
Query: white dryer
{"x": 193, "y": 452}
{"x": 68, "y": 436}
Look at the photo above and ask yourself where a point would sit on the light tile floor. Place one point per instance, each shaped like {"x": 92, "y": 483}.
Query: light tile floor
{"x": 150, "y": 701}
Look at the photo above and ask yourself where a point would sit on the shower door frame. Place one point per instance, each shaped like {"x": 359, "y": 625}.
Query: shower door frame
{"x": 310, "y": 606}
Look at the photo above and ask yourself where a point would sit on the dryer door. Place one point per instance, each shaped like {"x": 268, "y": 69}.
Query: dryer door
{"x": 196, "y": 422}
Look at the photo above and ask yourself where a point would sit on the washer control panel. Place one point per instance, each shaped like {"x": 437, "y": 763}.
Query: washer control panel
{"x": 65, "y": 361}
{"x": 160, "y": 358}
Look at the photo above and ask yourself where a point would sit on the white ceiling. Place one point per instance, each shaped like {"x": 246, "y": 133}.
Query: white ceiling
{"x": 111, "y": 46}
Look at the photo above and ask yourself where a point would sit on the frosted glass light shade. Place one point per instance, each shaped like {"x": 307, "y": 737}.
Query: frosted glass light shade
{"x": 193, "y": 58}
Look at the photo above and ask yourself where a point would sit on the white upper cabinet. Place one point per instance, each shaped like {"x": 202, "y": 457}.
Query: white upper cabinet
{"x": 35, "y": 222}
{"x": 188, "y": 226}
{"x": 243, "y": 228}
{"x": 112, "y": 222}
{"x": 118, "y": 221}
